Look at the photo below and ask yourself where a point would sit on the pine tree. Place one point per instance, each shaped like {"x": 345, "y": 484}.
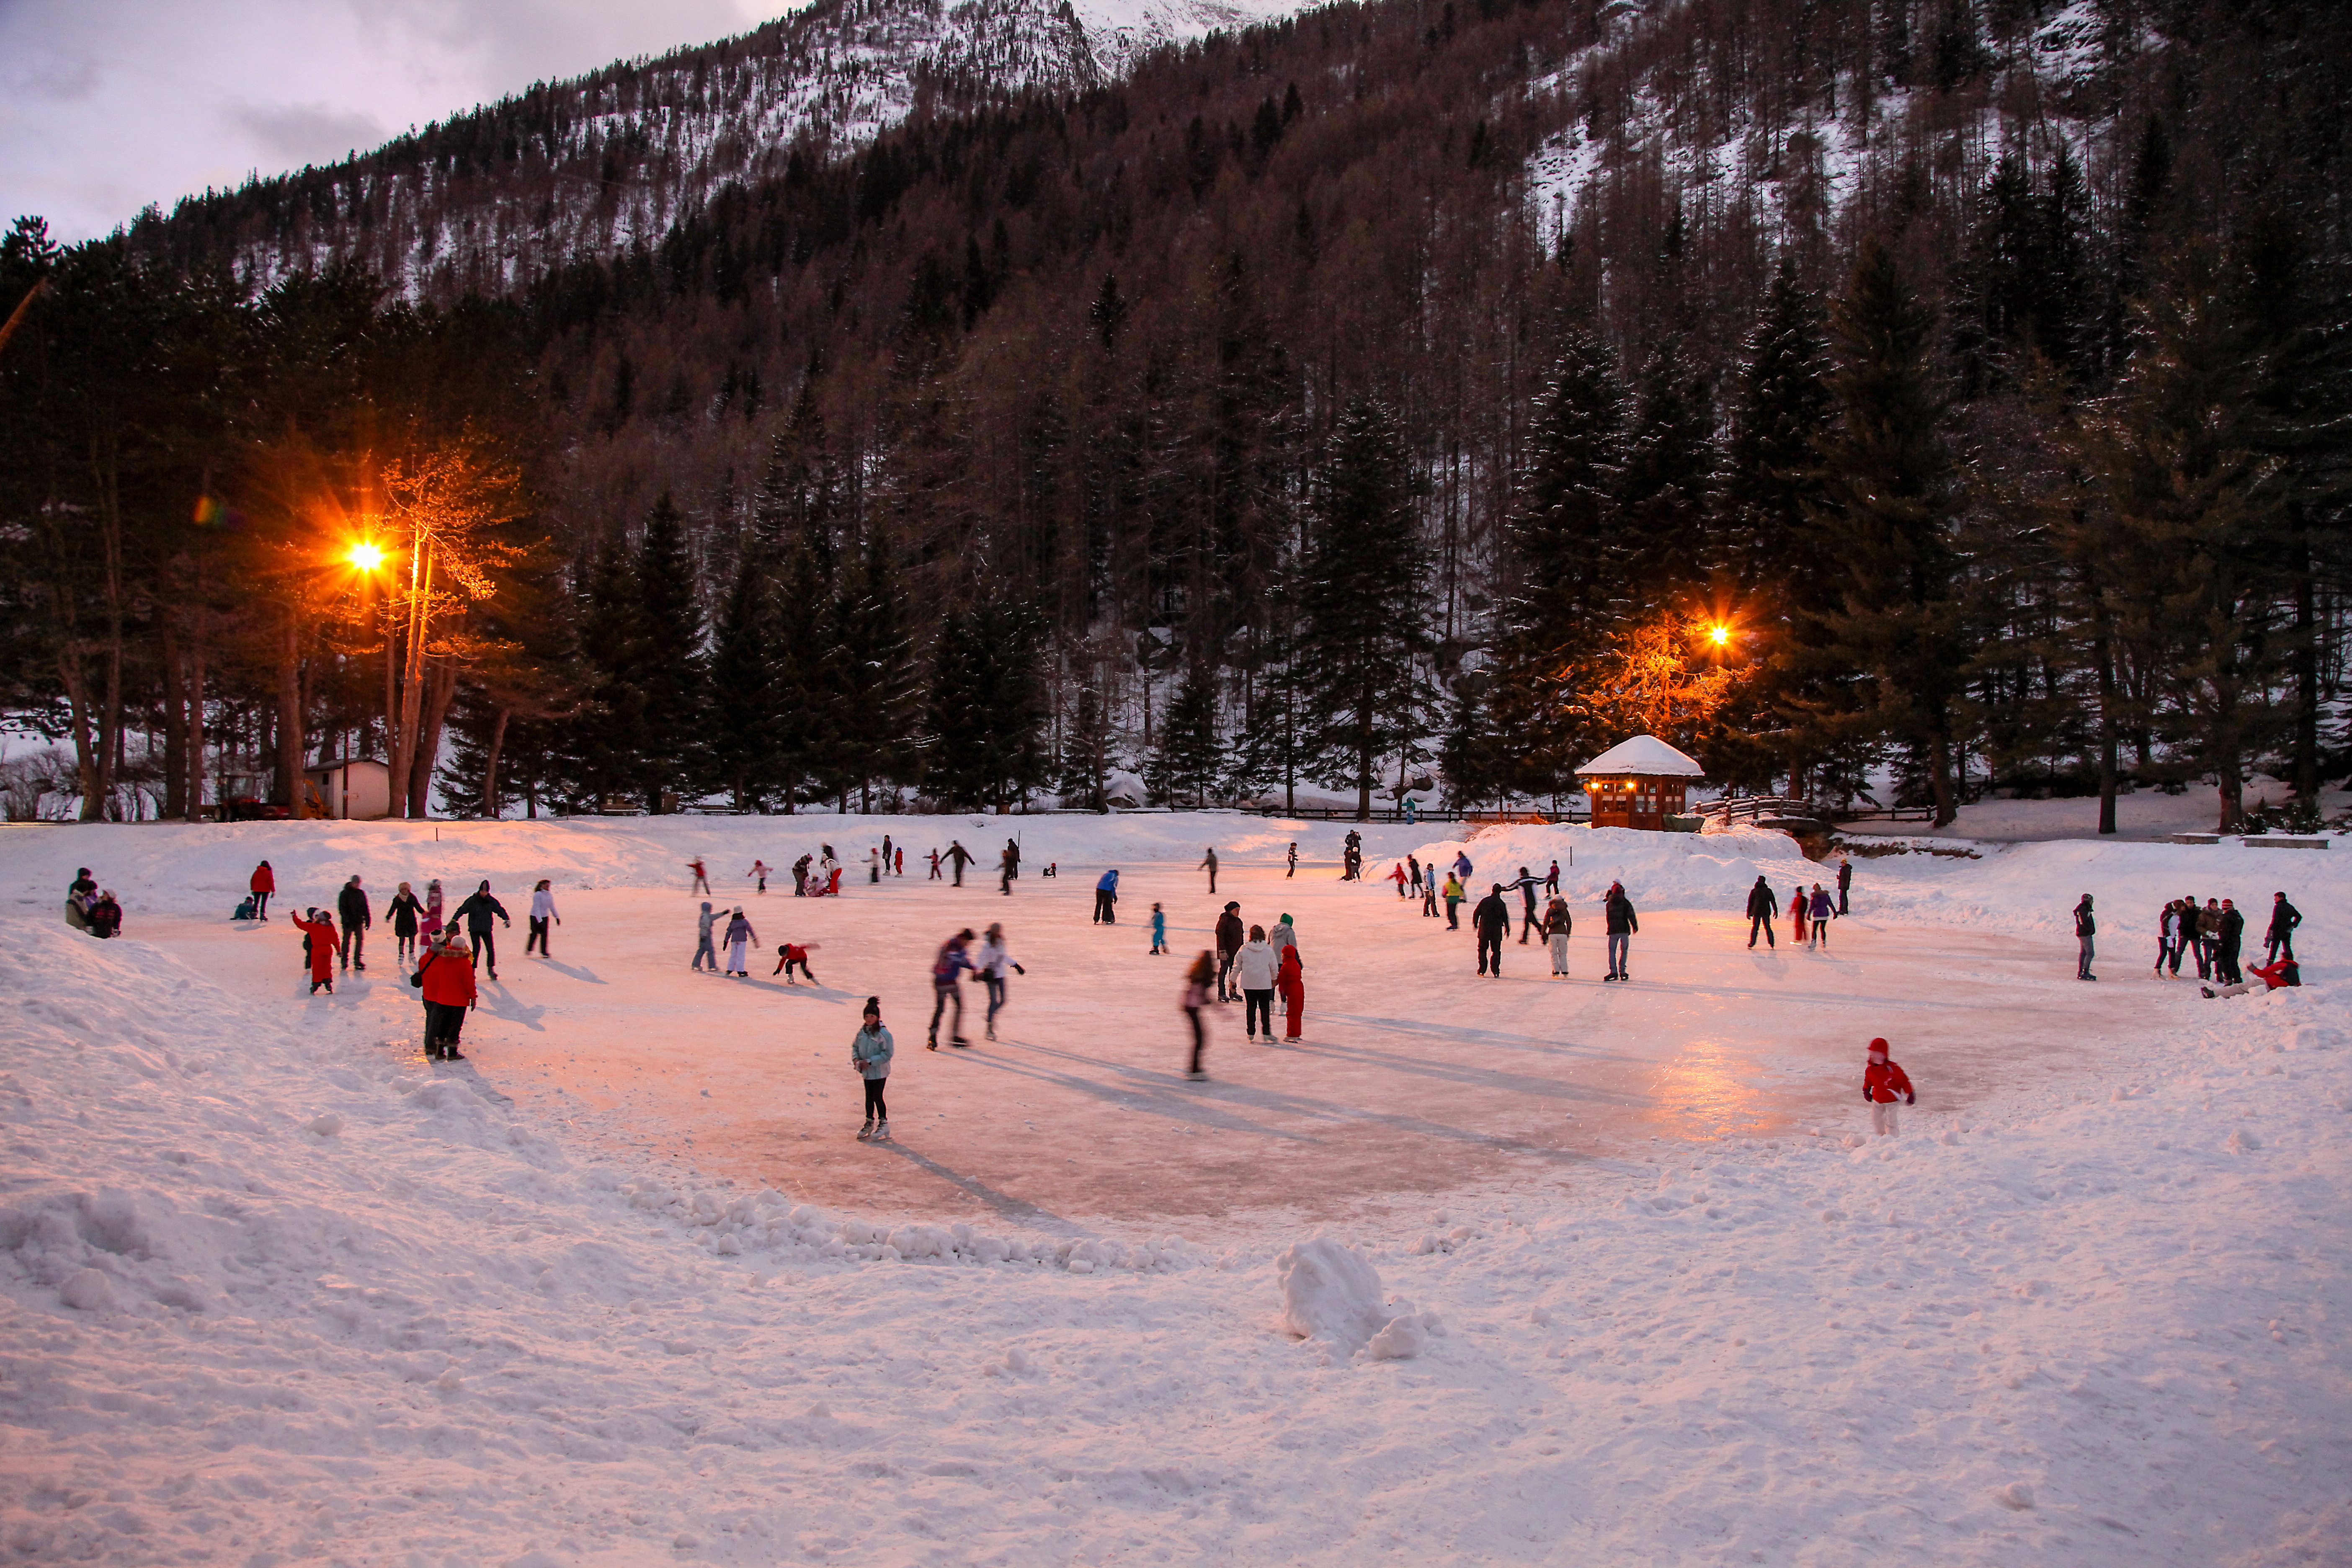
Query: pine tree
{"x": 1562, "y": 541}
{"x": 665, "y": 662}
{"x": 1888, "y": 497}
{"x": 985, "y": 713}
{"x": 1362, "y": 635}
{"x": 1663, "y": 553}
{"x": 1189, "y": 759}
{"x": 746, "y": 701}
{"x": 874, "y": 676}
{"x": 1085, "y": 751}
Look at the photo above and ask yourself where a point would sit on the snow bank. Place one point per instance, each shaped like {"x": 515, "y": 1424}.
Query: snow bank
{"x": 266, "y": 1297}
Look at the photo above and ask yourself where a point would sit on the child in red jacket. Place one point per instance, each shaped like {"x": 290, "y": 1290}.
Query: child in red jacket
{"x": 321, "y": 935}
{"x": 1884, "y": 1085}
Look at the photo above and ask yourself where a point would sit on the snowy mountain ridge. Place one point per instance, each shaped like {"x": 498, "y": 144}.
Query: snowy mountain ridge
{"x": 488, "y": 200}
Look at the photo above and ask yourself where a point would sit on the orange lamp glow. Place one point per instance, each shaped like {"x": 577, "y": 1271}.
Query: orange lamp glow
{"x": 1719, "y": 635}
{"x": 366, "y": 557}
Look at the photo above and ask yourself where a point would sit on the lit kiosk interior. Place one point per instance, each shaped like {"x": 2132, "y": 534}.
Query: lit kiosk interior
{"x": 1638, "y": 784}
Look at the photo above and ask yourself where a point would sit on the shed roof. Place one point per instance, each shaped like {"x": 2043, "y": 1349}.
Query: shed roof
{"x": 1644, "y": 754}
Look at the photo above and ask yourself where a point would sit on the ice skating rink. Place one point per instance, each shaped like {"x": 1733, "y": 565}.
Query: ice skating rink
{"x": 1415, "y": 1078}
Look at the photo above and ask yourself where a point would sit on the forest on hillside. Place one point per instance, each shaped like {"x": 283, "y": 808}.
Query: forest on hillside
{"x": 1961, "y": 385}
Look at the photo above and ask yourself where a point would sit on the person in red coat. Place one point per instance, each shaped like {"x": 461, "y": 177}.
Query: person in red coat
{"x": 446, "y": 972}
{"x": 321, "y": 933}
{"x": 1291, "y": 981}
{"x": 265, "y": 882}
{"x": 1885, "y": 1086}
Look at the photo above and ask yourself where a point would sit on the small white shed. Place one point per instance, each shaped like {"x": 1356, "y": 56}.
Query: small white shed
{"x": 356, "y": 789}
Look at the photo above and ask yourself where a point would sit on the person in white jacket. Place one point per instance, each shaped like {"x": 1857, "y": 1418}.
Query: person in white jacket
{"x": 542, "y": 916}
{"x": 1253, "y": 970}
{"x": 990, "y": 960}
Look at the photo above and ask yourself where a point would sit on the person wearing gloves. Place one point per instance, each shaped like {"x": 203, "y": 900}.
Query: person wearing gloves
{"x": 989, "y": 963}
{"x": 1291, "y": 981}
{"x": 789, "y": 954}
{"x": 740, "y": 937}
{"x": 1824, "y": 912}
{"x": 1254, "y": 970}
{"x": 352, "y": 906}
{"x": 702, "y": 947}
{"x": 2086, "y": 928}
{"x": 869, "y": 1053}
{"x": 478, "y": 912}
{"x": 1107, "y": 900}
{"x": 543, "y": 915}
{"x": 446, "y": 974}
{"x": 1884, "y": 1086}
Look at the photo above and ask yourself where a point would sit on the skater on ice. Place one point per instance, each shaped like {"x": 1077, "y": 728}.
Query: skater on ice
{"x": 1557, "y": 924}
{"x": 1491, "y": 922}
{"x": 1761, "y": 906}
{"x": 1159, "y": 930}
{"x": 478, "y": 910}
{"x": 740, "y": 937}
{"x": 1196, "y": 996}
{"x": 1229, "y": 946}
{"x": 542, "y": 916}
{"x": 406, "y": 915}
{"x": 351, "y": 908}
{"x": 990, "y": 963}
{"x": 759, "y": 873}
{"x": 2086, "y": 931}
{"x": 1884, "y": 1085}
{"x": 703, "y": 947}
{"x": 1291, "y": 981}
{"x": 1619, "y": 922}
{"x": 1107, "y": 900}
{"x": 869, "y": 1053}
{"x": 1256, "y": 968}
{"x": 790, "y": 956}
{"x": 1824, "y": 912}
{"x": 701, "y": 876}
{"x": 947, "y": 987}
{"x": 1210, "y": 862}
{"x": 959, "y": 857}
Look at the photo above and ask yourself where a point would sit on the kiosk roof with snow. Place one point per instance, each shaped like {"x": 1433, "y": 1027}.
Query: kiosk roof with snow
{"x": 1638, "y": 784}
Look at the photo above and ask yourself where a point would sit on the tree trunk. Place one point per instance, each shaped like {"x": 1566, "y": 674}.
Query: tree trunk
{"x": 175, "y": 722}
{"x": 2304, "y": 663}
{"x": 2103, "y": 655}
{"x": 439, "y": 689}
{"x": 69, "y": 675}
{"x": 491, "y": 765}
{"x": 195, "y": 737}
{"x": 291, "y": 738}
{"x": 1939, "y": 760}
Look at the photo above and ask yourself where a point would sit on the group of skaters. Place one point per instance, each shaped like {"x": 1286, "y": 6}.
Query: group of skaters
{"x": 1809, "y": 912}
{"x": 2212, "y": 935}
{"x": 92, "y": 908}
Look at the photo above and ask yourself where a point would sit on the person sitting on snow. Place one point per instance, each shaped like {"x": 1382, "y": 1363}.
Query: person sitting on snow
{"x": 1883, "y": 1086}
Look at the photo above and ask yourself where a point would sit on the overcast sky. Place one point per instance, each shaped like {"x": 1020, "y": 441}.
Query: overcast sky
{"x": 108, "y": 105}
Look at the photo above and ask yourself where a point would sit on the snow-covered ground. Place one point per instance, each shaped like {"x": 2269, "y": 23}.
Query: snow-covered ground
{"x": 274, "y": 1291}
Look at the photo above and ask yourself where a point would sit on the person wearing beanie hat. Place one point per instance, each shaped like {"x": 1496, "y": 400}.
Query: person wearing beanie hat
{"x": 869, "y": 1055}
{"x": 1884, "y": 1087}
{"x": 1230, "y": 941}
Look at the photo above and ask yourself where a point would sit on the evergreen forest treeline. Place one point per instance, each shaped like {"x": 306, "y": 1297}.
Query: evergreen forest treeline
{"x": 1256, "y": 423}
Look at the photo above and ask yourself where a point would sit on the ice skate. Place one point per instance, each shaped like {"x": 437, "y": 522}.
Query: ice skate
{"x": 881, "y": 1132}
{"x": 991, "y": 1031}
{"x": 866, "y": 1133}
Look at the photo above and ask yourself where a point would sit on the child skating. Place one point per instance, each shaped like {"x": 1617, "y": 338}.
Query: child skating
{"x": 789, "y": 957}
{"x": 1886, "y": 1088}
{"x": 869, "y": 1053}
{"x": 1159, "y": 930}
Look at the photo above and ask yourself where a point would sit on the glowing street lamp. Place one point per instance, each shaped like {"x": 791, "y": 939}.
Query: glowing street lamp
{"x": 1719, "y": 635}
{"x": 366, "y": 557}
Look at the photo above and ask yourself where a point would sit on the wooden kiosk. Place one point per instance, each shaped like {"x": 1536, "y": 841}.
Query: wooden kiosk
{"x": 1639, "y": 784}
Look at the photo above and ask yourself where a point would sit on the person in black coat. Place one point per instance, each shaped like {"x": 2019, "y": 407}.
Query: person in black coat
{"x": 1492, "y": 923}
{"x": 1761, "y": 906}
{"x": 2233, "y": 937}
{"x": 2086, "y": 928}
{"x": 352, "y": 909}
{"x": 478, "y": 912}
{"x": 1617, "y": 910}
{"x": 2284, "y": 918}
{"x": 1229, "y": 947}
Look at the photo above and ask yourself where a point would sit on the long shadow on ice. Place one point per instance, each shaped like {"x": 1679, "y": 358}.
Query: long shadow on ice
{"x": 1155, "y": 1094}
{"x": 573, "y": 970}
{"x": 1017, "y": 1210}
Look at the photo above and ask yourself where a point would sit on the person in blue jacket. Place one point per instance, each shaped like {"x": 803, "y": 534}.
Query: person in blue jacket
{"x": 869, "y": 1053}
{"x": 1107, "y": 899}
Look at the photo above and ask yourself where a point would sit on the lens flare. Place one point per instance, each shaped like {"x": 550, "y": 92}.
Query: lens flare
{"x": 366, "y": 557}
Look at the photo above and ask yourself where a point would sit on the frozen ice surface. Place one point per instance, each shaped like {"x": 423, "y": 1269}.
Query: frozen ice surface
{"x": 553, "y": 1305}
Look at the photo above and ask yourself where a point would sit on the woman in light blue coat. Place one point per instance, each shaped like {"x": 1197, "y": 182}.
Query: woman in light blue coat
{"x": 870, "y": 1053}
